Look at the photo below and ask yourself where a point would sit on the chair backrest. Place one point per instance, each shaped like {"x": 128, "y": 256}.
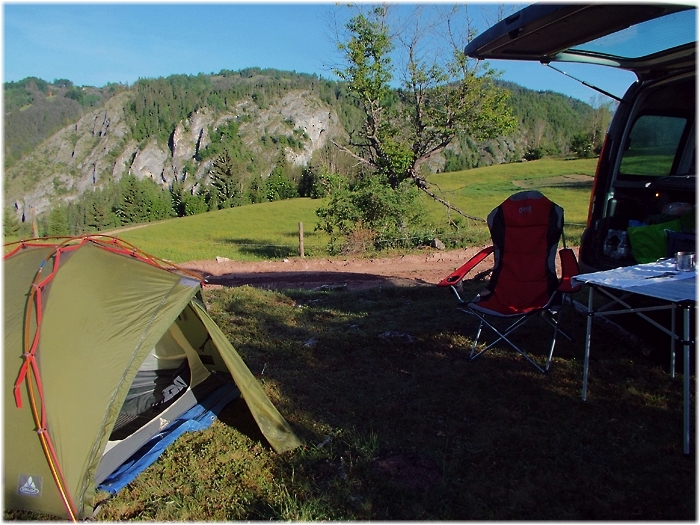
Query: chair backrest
{"x": 525, "y": 230}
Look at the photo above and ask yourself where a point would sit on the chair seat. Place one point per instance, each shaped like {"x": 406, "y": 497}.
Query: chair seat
{"x": 492, "y": 306}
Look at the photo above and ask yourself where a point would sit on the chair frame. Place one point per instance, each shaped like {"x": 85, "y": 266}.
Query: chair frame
{"x": 550, "y": 312}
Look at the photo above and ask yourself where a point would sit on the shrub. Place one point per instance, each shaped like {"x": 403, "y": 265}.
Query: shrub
{"x": 373, "y": 215}
{"x": 534, "y": 153}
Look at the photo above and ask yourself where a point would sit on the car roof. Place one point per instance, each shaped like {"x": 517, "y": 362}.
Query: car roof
{"x": 643, "y": 38}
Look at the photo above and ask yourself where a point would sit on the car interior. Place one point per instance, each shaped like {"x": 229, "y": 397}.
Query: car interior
{"x": 654, "y": 175}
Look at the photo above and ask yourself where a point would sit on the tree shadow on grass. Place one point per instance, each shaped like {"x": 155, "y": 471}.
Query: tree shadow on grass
{"x": 275, "y": 250}
{"x": 344, "y": 380}
{"x": 264, "y": 249}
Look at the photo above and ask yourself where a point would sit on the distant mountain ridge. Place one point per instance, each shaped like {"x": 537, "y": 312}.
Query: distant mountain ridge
{"x": 62, "y": 140}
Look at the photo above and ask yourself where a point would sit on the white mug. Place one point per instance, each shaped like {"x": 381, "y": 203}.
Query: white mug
{"x": 685, "y": 261}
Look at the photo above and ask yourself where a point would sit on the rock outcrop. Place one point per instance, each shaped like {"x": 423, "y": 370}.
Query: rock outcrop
{"x": 96, "y": 149}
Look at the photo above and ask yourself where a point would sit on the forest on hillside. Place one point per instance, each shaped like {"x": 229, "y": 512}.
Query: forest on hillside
{"x": 35, "y": 109}
{"x": 548, "y": 124}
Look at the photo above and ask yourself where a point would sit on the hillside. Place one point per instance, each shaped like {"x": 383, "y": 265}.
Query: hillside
{"x": 62, "y": 141}
{"x": 36, "y": 109}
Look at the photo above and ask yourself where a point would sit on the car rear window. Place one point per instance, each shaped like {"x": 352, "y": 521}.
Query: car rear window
{"x": 646, "y": 38}
{"x": 653, "y": 145}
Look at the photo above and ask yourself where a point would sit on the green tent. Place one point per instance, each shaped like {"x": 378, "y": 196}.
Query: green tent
{"x": 85, "y": 318}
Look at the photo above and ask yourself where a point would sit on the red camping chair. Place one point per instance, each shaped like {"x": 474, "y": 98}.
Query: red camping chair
{"x": 525, "y": 231}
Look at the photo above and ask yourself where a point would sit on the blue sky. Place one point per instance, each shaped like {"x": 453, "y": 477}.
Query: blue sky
{"x": 97, "y": 43}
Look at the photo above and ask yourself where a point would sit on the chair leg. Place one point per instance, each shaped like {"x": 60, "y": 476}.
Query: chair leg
{"x": 554, "y": 322}
{"x": 476, "y": 341}
{"x": 554, "y": 341}
{"x": 503, "y": 336}
{"x": 572, "y": 312}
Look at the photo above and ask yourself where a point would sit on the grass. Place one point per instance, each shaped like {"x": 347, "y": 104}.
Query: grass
{"x": 491, "y": 439}
{"x": 270, "y": 230}
{"x": 254, "y": 232}
{"x": 406, "y": 428}
{"x": 478, "y": 191}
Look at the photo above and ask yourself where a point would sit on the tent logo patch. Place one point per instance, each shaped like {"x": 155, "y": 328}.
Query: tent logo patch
{"x": 29, "y": 485}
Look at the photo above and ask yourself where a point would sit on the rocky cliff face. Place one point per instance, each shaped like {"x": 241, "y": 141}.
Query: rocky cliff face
{"x": 96, "y": 149}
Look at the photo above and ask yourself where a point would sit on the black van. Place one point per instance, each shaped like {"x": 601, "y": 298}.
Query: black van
{"x": 643, "y": 200}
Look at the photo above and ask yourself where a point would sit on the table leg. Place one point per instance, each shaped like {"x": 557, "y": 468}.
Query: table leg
{"x": 589, "y": 322}
{"x": 686, "y": 380}
{"x": 673, "y": 341}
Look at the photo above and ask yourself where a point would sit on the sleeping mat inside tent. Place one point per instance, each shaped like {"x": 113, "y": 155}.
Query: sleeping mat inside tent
{"x": 199, "y": 417}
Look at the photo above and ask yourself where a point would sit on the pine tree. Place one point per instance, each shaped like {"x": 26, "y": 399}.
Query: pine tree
{"x": 58, "y": 222}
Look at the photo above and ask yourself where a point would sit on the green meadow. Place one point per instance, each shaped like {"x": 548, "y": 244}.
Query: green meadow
{"x": 254, "y": 232}
{"x": 271, "y": 230}
{"x": 397, "y": 423}
{"x": 478, "y": 191}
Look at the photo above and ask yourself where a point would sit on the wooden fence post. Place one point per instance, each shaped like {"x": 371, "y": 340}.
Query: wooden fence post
{"x": 301, "y": 239}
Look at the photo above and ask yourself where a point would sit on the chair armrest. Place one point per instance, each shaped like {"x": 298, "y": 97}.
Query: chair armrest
{"x": 569, "y": 269}
{"x": 463, "y": 270}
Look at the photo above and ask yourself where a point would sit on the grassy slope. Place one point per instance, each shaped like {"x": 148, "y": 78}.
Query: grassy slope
{"x": 479, "y": 190}
{"x": 257, "y": 231}
{"x": 488, "y": 440}
{"x": 269, "y": 230}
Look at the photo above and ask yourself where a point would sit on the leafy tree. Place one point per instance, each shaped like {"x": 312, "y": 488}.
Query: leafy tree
{"x": 160, "y": 206}
{"x": 133, "y": 204}
{"x": 582, "y": 144}
{"x": 100, "y": 215}
{"x": 63, "y": 82}
{"x": 441, "y": 98}
{"x": 371, "y": 214}
{"x": 598, "y": 121}
{"x": 141, "y": 201}
{"x": 75, "y": 94}
{"x": 177, "y": 194}
{"x": 225, "y": 182}
{"x": 319, "y": 185}
{"x": 278, "y": 186}
{"x": 194, "y": 204}
{"x": 307, "y": 181}
{"x": 256, "y": 190}
{"x": 535, "y": 153}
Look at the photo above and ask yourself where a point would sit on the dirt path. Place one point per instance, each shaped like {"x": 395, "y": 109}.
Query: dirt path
{"x": 354, "y": 273}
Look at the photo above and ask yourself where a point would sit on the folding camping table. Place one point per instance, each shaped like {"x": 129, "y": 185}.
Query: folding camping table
{"x": 659, "y": 280}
